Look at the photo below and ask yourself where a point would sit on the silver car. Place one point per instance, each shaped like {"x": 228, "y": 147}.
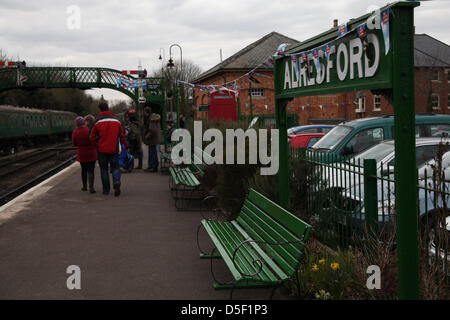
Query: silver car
{"x": 345, "y": 185}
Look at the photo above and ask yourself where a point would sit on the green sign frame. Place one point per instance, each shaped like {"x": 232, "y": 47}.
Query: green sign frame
{"x": 394, "y": 78}
{"x": 351, "y": 63}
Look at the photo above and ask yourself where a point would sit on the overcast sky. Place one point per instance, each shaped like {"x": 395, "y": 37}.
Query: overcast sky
{"x": 117, "y": 34}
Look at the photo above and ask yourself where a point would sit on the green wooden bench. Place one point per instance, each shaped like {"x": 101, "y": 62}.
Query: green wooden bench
{"x": 184, "y": 182}
{"x": 262, "y": 247}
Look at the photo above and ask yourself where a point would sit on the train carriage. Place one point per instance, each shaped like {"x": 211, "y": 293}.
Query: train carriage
{"x": 19, "y": 126}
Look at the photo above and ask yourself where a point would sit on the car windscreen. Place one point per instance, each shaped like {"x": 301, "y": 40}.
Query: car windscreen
{"x": 377, "y": 152}
{"x": 332, "y": 138}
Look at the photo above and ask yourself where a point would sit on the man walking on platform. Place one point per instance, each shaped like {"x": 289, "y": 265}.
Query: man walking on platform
{"x": 107, "y": 133}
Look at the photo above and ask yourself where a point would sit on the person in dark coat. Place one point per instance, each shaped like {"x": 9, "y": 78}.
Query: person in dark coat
{"x": 182, "y": 121}
{"x": 134, "y": 137}
{"x": 152, "y": 138}
{"x": 86, "y": 153}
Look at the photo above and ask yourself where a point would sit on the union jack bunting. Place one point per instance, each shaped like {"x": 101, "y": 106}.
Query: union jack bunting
{"x": 131, "y": 83}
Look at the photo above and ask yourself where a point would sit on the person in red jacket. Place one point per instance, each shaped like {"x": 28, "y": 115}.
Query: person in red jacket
{"x": 106, "y": 134}
{"x": 86, "y": 153}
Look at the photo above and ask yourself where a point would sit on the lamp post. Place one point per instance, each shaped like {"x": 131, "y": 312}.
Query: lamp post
{"x": 170, "y": 65}
{"x": 163, "y": 109}
{"x": 162, "y": 57}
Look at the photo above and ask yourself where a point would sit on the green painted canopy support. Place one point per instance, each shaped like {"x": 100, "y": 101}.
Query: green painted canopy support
{"x": 177, "y": 106}
{"x": 405, "y": 154}
{"x": 283, "y": 171}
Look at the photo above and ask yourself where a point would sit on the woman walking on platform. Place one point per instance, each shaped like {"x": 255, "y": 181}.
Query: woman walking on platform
{"x": 86, "y": 153}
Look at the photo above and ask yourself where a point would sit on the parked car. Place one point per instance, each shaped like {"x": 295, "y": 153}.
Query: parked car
{"x": 345, "y": 185}
{"x": 442, "y": 242}
{"x": 313, "y": 128}
{"x": 352, "y": 137}
{"x": 304, "y": 140}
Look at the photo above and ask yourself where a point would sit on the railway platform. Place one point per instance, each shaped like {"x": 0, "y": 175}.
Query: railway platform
{"x": 135, "y": 246}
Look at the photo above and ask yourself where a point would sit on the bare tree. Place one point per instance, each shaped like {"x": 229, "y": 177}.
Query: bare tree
{"x": 187, "y": 72}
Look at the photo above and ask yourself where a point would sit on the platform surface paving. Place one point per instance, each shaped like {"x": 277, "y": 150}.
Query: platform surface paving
{"x": 135, "y": 246}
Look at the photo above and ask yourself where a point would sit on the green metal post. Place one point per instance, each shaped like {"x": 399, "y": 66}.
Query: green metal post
{"x": 405, "y": 158}
{"x": 371, "y": 196}
{"x": 164, "y": 113}
{"x": 283, "y": 162}
{"x": 283, "y": 171}
{"x": 250, "y": 99}
{"x": 177, "y": 106}
{"x": 238, "y": 109}
{"x": 136, "y": 102}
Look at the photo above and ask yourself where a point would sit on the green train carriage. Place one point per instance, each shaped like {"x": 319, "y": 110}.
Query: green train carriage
{"x": 25, "y": 126}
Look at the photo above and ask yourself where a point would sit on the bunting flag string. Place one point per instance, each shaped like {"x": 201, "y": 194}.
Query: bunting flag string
{"x": 385, "y": 28}
{"x": 379, "y": 20}
{"x": 232, "y": 85}
{"x": 131, "y": 83}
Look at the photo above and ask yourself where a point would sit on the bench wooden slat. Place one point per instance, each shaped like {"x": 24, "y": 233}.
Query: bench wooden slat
{"x": 174, "y": 176}
{"x": 278, "y": 232}
{"x": 183, "y": 176}
{"x": 283, "y": 258}
{"x": 189, "y": 178}
{"x": 245, "y": 256}
{"x": 262, "y": 232}
{"x": 278, "y": 271}
{"x": 286, "y": 218}
{"x": 220, "y": 246}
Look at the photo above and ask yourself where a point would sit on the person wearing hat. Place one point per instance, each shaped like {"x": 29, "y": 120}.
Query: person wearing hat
{"x": 86, "y": 153}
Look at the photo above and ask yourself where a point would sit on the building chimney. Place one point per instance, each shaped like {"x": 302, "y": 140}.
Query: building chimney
{"x": 335, "y": 23}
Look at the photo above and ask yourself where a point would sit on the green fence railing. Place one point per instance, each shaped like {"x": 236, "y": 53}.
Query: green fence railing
{"x": 354, "y": 199}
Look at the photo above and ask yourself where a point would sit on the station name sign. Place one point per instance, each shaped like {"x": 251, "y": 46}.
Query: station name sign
{"x": 358, "y": 58}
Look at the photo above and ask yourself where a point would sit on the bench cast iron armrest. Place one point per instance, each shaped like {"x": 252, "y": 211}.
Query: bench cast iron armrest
{"x": 257, "y": 262}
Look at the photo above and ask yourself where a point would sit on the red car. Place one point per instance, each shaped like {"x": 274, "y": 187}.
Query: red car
{"x": 305, "y": 140}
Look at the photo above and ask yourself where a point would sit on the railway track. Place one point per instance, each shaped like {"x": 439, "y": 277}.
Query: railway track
{"x": 20, "y": 162}
{"x": 25, "y": 171}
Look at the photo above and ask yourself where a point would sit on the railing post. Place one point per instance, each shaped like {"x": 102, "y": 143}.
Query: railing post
{"x": 371, "y": 196}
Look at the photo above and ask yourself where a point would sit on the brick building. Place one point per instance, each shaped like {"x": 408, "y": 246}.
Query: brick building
{"x": 432, "y": 82}
{"x": 234, "y": 67}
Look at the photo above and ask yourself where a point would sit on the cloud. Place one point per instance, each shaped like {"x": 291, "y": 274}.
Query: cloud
{"x": 118, "y": 34}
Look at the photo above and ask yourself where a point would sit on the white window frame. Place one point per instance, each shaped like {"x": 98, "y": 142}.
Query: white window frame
{"x": 375, "y": 108}
{"x": 257, "y": 92}
{"x": 432, "y": 75}
{"x": 363, "y": 104}
{"x": 438, "y": 101}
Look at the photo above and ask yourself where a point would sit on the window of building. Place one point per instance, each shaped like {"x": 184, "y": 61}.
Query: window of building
{"x": 435, "y": 101}
{"x": 257, "y": 92}
{"x": 360, "y": 104}
{"x": 448, "y": 75}
{"x": 435, "y": 74}
{"x": 448, "y": 101}
{"x": 376, "y": 103}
